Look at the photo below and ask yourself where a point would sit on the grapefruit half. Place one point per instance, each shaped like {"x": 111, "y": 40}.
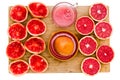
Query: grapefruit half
{"x": 87, "y": 45}
{"x": 38, "y": 63}
{"x": 84, "y": 25}
{"x": 35, "y": 45}
{"x": 17, "y": 31}
{"x": 103, "y": 30}
{"x": 15, "y": 50}
{"x": 18, "y": 67}
{"x": 105, "y": 54}
{"x": 38, "y": 10}
{"x": 98, "y": 11}
{"x": 18, "y": 13}
{"x": 90, "y": 66}
{"x": 36, "y": 27}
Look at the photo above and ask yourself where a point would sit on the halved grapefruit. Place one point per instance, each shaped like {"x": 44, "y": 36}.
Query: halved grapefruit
{"x": 87, "y": 45}
{"x": 18, "y": 67}
{"x": 36, "y": 27}
{"x": 105, "y": 54}
{"x": 35, "y": 45}
{"x": 84, "y": 25}
{"x": 18, "y": 13}
{"x": 17, "y": 31}
{"x": 38, "y": 63}
{"x": 90, "y": 66}
{"x": 15, "y": 50}
{"x": 38, "y": 10}
{"x": 103, "y": 30}
{"x": 98, "y": 11}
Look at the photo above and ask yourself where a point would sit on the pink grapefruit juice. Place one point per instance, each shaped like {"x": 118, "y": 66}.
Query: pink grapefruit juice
{"x": 64, "y": 14}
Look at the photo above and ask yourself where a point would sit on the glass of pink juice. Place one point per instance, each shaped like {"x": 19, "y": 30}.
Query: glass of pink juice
{"x": 64, "y": 14}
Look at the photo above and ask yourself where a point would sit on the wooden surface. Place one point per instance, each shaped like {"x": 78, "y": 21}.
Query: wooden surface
{"x": 70, "y": 66}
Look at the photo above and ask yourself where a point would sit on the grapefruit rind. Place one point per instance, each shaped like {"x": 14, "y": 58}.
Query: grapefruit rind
{"x": 39, "y": 21}
{"x": 25, "y": 16}
{"x": 87, "y": 59}
{"x": 82, "y": 51}
{"x": 40, "y": 57}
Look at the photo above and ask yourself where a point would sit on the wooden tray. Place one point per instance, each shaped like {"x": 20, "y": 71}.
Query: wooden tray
{"x": 70, "y": 66}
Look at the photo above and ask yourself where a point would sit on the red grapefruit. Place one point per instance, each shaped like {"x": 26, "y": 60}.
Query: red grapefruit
{"x": 15, "y": 50}
{"x": 35, "y": 45}
{"x": 17, "y": 31}
{"x": 38, "y": 63}
{"x": 84, "y": 25}
{"x": 98, "y": 11}
{"x": 36, "y": 27}
{"x": 18, "y": 67}
{"x": 90, "y": 66}
{"x": 38, "y": 10}
{"x": 87, "y": 45}
{"x": 105, "y": 54}
{"x": 18, "y": 13}
{"x": 103, "y": 30}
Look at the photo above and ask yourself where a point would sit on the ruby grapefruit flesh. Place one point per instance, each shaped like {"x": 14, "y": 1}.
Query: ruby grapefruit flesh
{"x": 36, "y": 27}
{"x": 35, "y": 45}
{"x": 84, "y": 25}
{"x": 87, "y": 45}
{"x": 63, "y": 45}
{"x": 103, "y": 30}
{"x": 98, "y": 11}
{"x": 18, "y": 13}
{"x": 15, "y": 50}
{"x": 105, "y": 54}
{"x": 18, "y": 67}
{"x": 90, "y": 66}
{"x": 64, "y": 14}
{"x": 38, "y": 10}
{"x": 17, "y": 31}
{"x": 38, "y": 63}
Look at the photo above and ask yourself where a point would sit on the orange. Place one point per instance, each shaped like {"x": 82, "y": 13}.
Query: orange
{"x": 64, "y": 45}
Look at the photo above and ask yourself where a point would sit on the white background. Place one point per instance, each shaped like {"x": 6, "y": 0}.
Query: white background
{"x": 114, "y": 42}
